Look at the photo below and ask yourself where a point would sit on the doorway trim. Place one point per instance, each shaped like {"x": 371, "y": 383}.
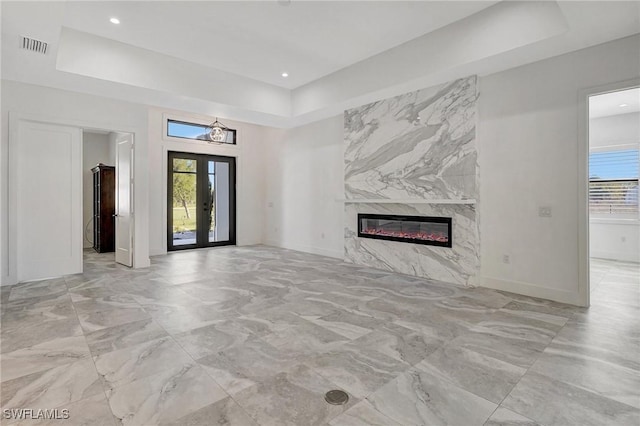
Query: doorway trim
{"x": 9, "y": 234}
{"x": 584, "y": 284}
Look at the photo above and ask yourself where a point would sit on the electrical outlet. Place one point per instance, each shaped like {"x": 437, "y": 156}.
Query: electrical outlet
{"x": 623, "y": 239}
{"x": 544, "y": 211}
{"x": 270, "y": 204}
{"x": 322, "y": 235}
{"x": 506, "y": 259}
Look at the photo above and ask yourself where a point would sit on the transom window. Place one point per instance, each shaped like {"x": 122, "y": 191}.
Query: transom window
{"x": 186, "y": 130}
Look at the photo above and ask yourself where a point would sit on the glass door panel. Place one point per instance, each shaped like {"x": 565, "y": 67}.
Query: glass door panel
{"x": 219, "y": 201}
{"x": 183, "y": 203}
{"x": 201, "y": 201}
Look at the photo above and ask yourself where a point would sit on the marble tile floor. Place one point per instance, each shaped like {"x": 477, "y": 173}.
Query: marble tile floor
{"x": 256, "y": 336}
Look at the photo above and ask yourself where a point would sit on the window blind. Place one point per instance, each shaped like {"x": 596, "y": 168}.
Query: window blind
{"x": 613, "y": 182}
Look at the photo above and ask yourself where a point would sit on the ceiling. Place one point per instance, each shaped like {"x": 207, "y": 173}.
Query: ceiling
{"x": 261, "y": 40}
{"x": 614, "y": 103}
{"x": 225, "y": 59}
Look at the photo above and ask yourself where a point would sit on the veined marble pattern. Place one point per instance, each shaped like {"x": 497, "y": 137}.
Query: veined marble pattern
{"x": 256, "y": 335}
{"x": 420, "y": 145}
{"x": 417, "y": 145}
{"x": 458, "y": 264}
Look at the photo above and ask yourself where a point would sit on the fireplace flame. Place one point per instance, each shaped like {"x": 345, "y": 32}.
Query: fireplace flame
{"x": 424, "y": 236}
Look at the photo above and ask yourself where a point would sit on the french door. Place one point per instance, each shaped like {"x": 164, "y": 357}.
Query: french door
{"x": 201, "y": 201}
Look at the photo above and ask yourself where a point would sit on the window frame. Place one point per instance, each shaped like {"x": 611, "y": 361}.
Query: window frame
{"x": 204, "y": 126}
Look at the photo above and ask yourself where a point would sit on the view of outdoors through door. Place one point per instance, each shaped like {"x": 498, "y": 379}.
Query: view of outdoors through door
{"x": 201, "y": 201}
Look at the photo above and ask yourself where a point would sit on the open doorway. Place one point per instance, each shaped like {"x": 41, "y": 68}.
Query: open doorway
{"x": 614, "y": 216}
{"x": 107, "y": 194}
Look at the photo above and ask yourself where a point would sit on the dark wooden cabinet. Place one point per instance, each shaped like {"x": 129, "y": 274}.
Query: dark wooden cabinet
{"x": 104, "y": 208}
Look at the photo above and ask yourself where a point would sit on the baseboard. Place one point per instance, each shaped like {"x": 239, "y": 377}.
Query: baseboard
{"x": 306, "y": 249}
{"x": 8, "y": 280}
{"x": 144, "y": 263}
{"x": 528, "y": 289}
{"x": 612, "y": 255}
{"x": 157, "y": 251}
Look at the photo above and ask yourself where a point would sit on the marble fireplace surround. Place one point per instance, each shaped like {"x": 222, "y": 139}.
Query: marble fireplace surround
{"x": 415, "y": 154}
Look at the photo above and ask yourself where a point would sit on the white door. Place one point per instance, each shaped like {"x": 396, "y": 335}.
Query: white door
{"x": 48, "y": 161}
{"x": 124, "y": 199}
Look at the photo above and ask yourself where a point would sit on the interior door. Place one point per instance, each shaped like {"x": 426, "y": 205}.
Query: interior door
{"x": 200, "y": 201}
{"x": 124, "y": 199}
{"x": 48, "y": 161}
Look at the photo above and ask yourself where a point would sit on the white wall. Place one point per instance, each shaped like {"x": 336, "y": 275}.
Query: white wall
{"x": 94, "y": 112}
{"x": 614, "y": 238}
{"x": 614, "y": 130}
{"x": 528, "y": 141}
{"x": 528, "y": 158}
{"x": 305, "y": 177}
{"x": 250, "y": 169}
{"x": 84, "y": 111}
{"x": 95, "y": 150}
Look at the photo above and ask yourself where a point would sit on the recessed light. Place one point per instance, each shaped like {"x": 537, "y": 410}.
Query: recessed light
{"x": 114, "y": 21}
{"x": 623, "y": 105}
{"x": 285, "y": 74}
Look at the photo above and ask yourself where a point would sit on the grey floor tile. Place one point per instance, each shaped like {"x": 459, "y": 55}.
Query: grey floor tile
{"x": 305, "y": 339}
{"x": 488, "y": 377}
{"x": 213, "y": 338}
{"x": 362, "y": 414}
{"x": 225, "y": 412}
{"x": 52, "y": 388}
{"x": 295, "y": 397}
{"x": 417, "y": 397}
{"x": 16, "y": 335}
{"x": 276, "y": 329}
{"x": 44, "y": 356}
{"x": 599, "y": 375}
{"x": 123, "y": 366}
{"x": 358, "y": 371}
{"x": 504, "y": 417}
{"x": 99, "y": 320}
{"x": 91, "y": 411}
{"x": 164, "y": 397}
{"x": 123, "y": 336}
{"x": 246, "y": 365}
{"x": 555, "y": 403}
{"x": 401, "y": 343}
{"x": 38, "y": 288}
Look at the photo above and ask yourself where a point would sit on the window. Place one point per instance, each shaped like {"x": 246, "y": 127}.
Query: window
{"x": 182, "y": 129}
{"x": 613, "y": 183}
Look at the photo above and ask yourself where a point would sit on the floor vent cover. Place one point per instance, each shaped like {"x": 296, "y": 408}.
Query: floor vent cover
{"x": 336, "y": 397}
{"x": 38, "y": 46}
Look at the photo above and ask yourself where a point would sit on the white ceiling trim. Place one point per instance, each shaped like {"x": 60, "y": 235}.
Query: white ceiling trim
{"x": 500, "y": 37}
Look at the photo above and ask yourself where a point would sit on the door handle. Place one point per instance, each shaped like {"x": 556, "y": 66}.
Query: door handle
{"x": 114, "y": 215}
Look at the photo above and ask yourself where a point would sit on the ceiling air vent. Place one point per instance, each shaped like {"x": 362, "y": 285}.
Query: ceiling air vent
{"x": 33, "y": 45}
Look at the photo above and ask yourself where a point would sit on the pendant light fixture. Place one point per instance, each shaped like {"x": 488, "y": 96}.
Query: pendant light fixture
{"x": 218, "y": 132}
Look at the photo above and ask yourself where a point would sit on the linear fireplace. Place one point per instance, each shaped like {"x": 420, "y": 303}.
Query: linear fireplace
{"x": 434, "y": 231}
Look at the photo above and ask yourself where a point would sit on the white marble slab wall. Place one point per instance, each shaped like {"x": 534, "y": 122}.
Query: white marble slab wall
{"x": 457, "y": 265}
{"x": 417, "y": 146}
